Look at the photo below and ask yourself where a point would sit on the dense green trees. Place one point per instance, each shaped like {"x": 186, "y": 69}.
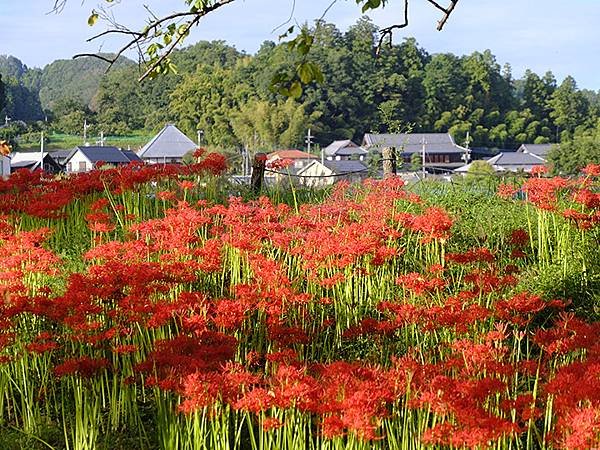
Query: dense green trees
{"x": 577, "y": 151}
{"x": 229, "y": 97}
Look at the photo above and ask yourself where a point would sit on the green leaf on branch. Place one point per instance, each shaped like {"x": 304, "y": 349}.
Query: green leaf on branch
{"x": 93, "y": 18}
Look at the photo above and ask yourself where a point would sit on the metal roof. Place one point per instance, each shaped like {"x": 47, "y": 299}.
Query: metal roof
{"x": 131, "y": 155}
{"x": 170, "y": 142}
{"x": 111, "y": 155}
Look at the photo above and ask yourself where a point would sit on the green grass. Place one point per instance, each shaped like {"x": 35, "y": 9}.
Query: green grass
{"x": 59, "y": 141}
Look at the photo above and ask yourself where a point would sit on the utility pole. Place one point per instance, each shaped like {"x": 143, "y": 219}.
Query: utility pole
{"x": 42, "y": 151}
{"x": 85, "y": 128}
{"x": 6, "y": 120}
{"x": 466, "y": 157}
{"x": 200, "y": 137}
{"x": 423, "y": 156}
{"x": 309, "y": 140}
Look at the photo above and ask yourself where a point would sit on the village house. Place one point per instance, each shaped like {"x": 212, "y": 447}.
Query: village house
{"x": 169, "y": 146}
{"x": 441, "y": 152}
{"x": 61, "y": 156}
{"x": 510, "y": 162}
{"x": 540, "y": 150}
{"x": 33, "y": 161}
{"x": 286, "y": 163}
{"x": 327, "y": 172}
{"x": 344, "y": 150}
{"x": 84, "y": 159}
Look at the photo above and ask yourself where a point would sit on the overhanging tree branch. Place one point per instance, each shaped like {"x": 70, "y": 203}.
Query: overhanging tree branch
{"x": 176, "y": 34}
{"x": 157, "y": 40}
{"x": 387, "y": 32}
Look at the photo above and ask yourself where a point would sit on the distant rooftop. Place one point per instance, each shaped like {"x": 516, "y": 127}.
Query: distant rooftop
{"x": 413, "y": 142}
{"x": 344, "y": 148}
{"x": 291, "y": 154}
{"x": 170, "y": 142}
{"x": 94, "y": 154}
{"x": 536, "y": 149}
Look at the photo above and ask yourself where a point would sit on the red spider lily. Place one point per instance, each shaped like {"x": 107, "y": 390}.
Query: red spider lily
{"x": 280, "y": 163}
{"x": 255, "y": 400}
{"x": 84, "y": 366}
{"x": 186, "y": 185}
{"x": 587, "y": 198}
{"x": 579, "y": 428}
{"x": 434, "y": 223}
{"x": 520, "y": 308}
{"x": 271, "y": 423}
{"x": 538, "y": 171}
{"x": 507, "y": 191}
{"x": 543, "y": 192}
{"x": 519, "y": 237}
{"x": 581, "y": 220}
{"x": 419, "y": 285}
{"x": 591, "y": 170}
{"x": 470, "y": 256}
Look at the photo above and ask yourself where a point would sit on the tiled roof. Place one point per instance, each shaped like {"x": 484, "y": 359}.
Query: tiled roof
{"x": 536, "y": 149}
{"x": 170, "y": 142}
{"x": 345, "y": 166}
{"x": 344, "y": 148}
{"x": 291, "y": 154}
{"x": 516, "y": 159}
{"x": 408, "y": 143}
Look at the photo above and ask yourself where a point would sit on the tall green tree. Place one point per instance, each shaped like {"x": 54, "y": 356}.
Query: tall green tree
{"x": 568, "y": 106}
{"x": 576, "y": 152}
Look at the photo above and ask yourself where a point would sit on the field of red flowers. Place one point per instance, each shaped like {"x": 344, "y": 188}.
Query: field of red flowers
{"x": 143, "y": 308}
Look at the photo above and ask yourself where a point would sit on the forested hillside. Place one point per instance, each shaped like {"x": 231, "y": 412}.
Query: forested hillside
{"x": 228, "y": 95}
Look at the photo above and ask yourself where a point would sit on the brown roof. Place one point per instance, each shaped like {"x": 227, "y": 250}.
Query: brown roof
{"x": 291, "y": 154}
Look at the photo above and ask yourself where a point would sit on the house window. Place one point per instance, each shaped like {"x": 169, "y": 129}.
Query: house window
{"x": 69, "y": 167}
{"x": 81, "y": 166}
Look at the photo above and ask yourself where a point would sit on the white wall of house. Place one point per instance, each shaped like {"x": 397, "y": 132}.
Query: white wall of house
{"x": 316, "y": 170}
{"x": 79, "y": 163}
{"x": 4, "y": 166}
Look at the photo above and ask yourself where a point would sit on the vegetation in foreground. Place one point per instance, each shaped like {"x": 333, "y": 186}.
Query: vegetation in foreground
{"x": 144, "y": 308}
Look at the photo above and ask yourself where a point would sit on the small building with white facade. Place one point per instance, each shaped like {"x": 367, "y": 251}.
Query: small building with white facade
{"x": 167, "y": 147}
{"x": 35, "y": 161}
{"x": 320, "y": 174}
{"x": 510, "y": 162}
{"x": 344, "y": 150}
{"x": 84, "y": 159}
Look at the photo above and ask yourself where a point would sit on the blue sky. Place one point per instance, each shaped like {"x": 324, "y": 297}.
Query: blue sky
{"x": 538, "y": 34}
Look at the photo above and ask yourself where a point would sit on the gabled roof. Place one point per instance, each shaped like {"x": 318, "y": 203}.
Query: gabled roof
{"x": 61, "y": 155}
{"x": 94, "y": 154}
{"x": 413, "y": 142}
{"x": 536, "y": 149}
{"x": 170, "y": 142}
{"x": 338, "y": 167}
{"x": 510, "y": 162}
{"x": 344, "y": 148}
{"x": 345, "y": 166}
{"x": 131, "y": 155}
{"x": 516, "y": 158}
{"x": 19, "y": 157}
{"x": 290, "y": 154}
{"x": 32, "y": 160}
